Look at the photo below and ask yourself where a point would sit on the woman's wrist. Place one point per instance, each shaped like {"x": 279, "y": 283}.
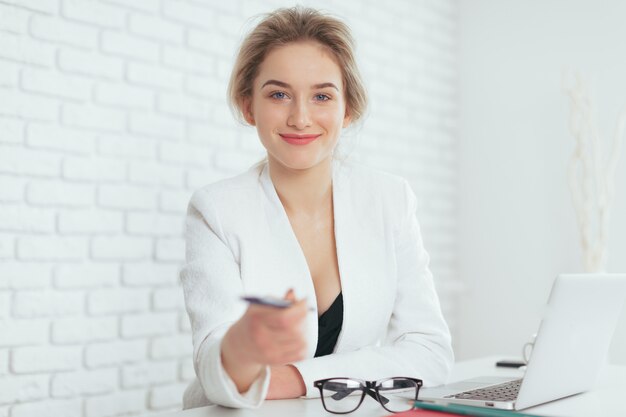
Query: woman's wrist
{"x": 298, "y": 380}
{"x": 285, "y": 382}
{"x": 242, "y": 371}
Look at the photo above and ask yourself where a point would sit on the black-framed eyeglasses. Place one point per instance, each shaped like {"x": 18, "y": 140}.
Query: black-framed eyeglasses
{"x": 344, "y": 395}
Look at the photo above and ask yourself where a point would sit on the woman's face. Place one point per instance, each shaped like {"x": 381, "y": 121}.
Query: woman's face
{"x": 298, "y": 105}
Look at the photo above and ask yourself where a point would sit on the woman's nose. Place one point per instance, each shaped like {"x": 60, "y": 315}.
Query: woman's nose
{"x": 299, "y": 116}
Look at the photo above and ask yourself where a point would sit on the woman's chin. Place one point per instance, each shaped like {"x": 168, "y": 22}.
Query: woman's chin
{"x": 300, "y": 162}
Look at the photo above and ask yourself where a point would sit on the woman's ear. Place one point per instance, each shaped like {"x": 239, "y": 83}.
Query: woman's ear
{"x": 246, "y": 107}
{"x": 347, "y": 118}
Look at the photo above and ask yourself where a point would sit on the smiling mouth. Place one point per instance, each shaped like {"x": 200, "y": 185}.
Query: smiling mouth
{"x": 299, "y": 139}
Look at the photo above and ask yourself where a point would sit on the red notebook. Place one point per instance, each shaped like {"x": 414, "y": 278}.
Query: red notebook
{"x": 425, "y": 413}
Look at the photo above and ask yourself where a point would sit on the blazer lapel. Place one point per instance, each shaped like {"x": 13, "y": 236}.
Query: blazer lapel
{"x": 288, "y": 255}
{"x": 363, "y": 254}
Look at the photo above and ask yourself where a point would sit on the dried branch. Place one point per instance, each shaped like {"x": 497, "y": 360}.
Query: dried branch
{"x": 591, "y": 175}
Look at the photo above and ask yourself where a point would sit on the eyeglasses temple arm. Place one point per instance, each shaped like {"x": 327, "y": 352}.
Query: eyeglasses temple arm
{"x": 340, "y": 395}
{"x": 380, "y": 398}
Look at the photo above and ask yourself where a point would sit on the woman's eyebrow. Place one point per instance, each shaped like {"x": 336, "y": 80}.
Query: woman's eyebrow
{"x": 285, "y": 85}
{"x": 276, "y": 82}
{"x": 324, "y": 85}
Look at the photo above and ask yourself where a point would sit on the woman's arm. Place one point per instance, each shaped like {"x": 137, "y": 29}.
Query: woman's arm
{"x": 212, "y": 286}
{"x": 233, "y": 346}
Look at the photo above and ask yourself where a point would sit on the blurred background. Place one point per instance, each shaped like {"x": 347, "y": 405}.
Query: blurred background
{"x": 113, "y": 112}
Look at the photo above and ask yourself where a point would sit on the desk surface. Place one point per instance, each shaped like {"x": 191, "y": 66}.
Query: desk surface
{"x": 606, "y": 400}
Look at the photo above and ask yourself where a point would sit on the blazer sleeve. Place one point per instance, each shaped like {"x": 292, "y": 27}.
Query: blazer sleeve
{"x": 418, "y": 342}
{"x": 212, "y": 286}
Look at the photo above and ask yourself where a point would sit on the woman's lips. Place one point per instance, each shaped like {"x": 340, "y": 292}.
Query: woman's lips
{"x": 298, "y": 139}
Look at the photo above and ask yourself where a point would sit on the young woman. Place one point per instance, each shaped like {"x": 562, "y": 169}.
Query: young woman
{"x": 339, "y": 240}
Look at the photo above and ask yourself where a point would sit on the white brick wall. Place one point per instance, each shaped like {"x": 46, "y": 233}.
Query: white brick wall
{"x": 72, "y": 384}
{"x": 37, "y": 359}
{"x": 111, "y": 114}
{"x": 115, "y": 353}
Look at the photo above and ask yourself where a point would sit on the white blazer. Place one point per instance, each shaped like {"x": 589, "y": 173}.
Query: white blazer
{"x": 240, "y": 241}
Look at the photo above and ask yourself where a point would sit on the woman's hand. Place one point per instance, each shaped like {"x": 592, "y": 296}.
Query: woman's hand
{"x": 264, "y": 336}
{"x": 286, "y": 382}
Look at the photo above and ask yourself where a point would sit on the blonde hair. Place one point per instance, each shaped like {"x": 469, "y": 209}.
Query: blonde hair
{"x": 295, "y": 24}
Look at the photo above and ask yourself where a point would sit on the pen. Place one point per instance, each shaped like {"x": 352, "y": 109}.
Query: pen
{"x": 468, "y": 410}
{"x": 271, "y": 302}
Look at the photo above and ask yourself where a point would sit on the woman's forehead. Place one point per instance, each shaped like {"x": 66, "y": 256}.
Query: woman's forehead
{"x": 301, "y": 64}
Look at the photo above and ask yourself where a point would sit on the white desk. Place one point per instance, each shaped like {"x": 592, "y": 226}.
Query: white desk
{"x": 606, "y": 400}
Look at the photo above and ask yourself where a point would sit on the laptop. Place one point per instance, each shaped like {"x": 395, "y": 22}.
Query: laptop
{"x": 570, "y": 349}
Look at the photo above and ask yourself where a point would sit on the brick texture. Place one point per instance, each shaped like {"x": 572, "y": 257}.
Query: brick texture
{"x": 115, "y": 353}
{"x": 46, "y": 359}
{"x": 72, "y": 384}
{"x": 112, "y": 113}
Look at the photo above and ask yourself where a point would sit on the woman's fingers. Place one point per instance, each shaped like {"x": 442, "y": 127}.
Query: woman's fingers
{"x": 281, "y": 318}
{"x": 271, "y": 335}
{"x": 290, "y": 295}
{"x": 285, "y": 322}
{"x": 269, "y": 350}
{"x": 294, "y": 351}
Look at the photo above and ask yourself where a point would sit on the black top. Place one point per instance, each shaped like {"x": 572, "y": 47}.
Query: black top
{"x": 328, "y": 327}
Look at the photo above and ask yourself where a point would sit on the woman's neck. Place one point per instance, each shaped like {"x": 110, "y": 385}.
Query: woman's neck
{"x": 304, "y": 192}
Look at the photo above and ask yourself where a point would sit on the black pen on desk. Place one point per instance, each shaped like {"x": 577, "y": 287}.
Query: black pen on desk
{"x": 271, "y": 302}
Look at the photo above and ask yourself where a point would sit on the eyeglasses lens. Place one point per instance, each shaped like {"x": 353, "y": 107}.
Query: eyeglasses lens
{"x": 400, "y": 392}
{"x": 341, "y": 395}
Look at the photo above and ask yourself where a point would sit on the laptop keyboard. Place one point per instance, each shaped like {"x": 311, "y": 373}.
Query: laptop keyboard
{"x": 501, "y": 392}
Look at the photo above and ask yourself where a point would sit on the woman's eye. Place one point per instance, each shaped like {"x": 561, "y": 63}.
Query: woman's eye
{"x": 322, "y": 97}
{"x": 278, "y": 95}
